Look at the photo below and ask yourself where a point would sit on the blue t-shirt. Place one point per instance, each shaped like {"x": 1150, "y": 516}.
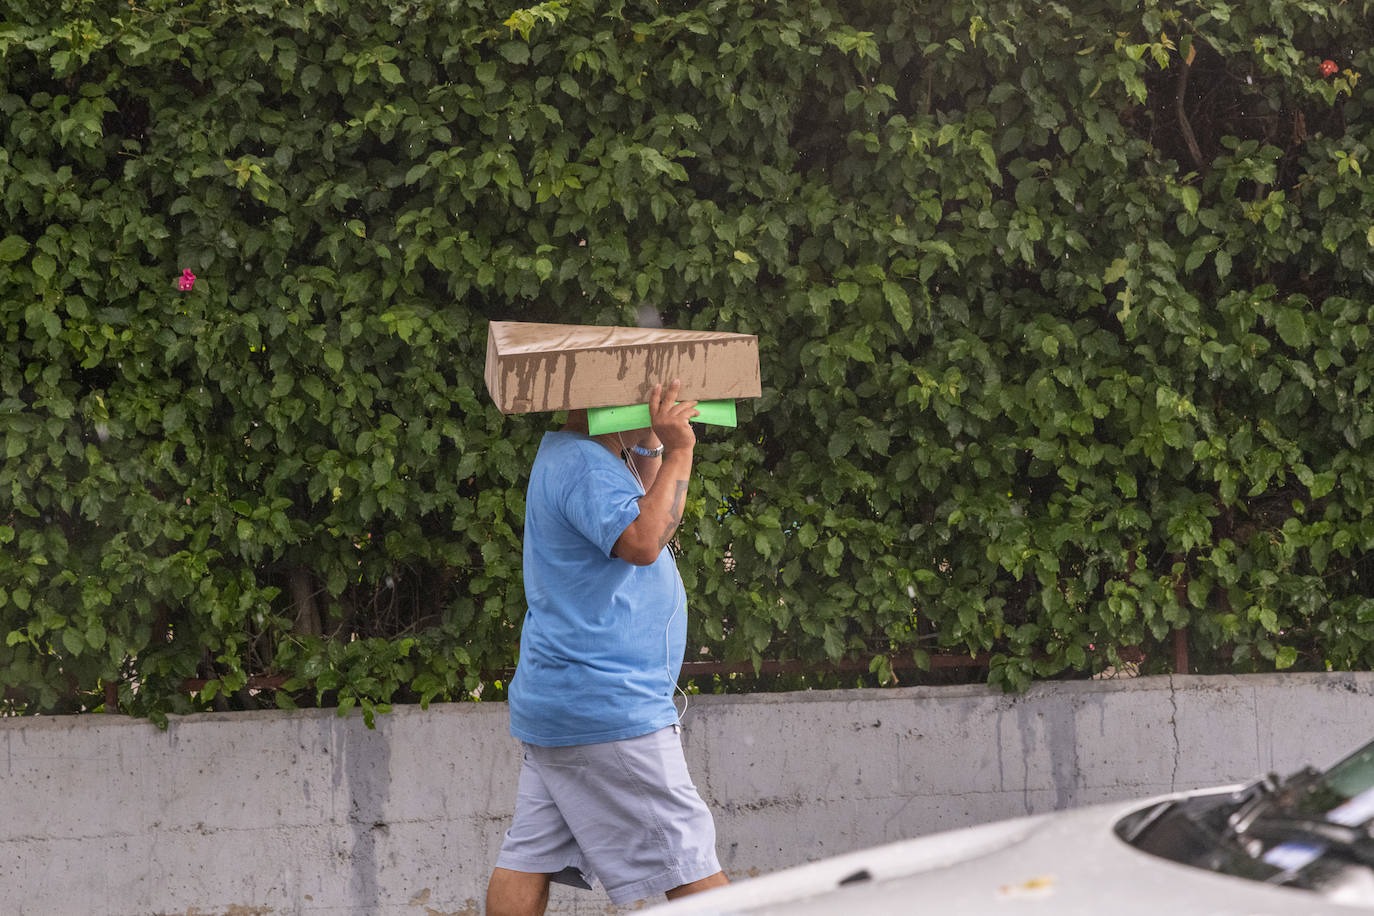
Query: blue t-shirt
{"x": 602, "y": 641}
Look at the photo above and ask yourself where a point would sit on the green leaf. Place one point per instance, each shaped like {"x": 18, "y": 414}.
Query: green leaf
{"x": 899, "y": 302}
{"x": 72, "y": 641}
{"x": 1222, "y": 259}
{"x": 1191, "y": 197}
{"x": 517, "y": 52}
{"x": 1322, "y": 484}
{"x": 763, "y": 545}
{"x": 1269, "y": 619}
{"x": 1292, "y": 327}
{"x": 841, "y": 441}
{"x": 44, "y": 266}
{"x": 12, "y": 248}
{"x": 174, "y": 418}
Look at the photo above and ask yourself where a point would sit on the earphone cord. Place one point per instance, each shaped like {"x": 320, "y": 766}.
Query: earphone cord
{"x": 629, "y": 463}
{"x": 668, "y": 655}
{"x": 681, "y": 603}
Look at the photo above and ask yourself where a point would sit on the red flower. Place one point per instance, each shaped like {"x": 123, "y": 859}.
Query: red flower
{"x": 1329, "y": 68}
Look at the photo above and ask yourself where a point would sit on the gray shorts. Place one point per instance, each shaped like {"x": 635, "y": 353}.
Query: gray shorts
{"x": 624, "y": 813}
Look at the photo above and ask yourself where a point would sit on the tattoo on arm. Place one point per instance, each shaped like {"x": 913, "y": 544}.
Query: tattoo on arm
{"x": 679, "y": 505}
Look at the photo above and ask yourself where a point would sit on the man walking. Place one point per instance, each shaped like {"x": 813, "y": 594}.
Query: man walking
{"x": 604, "y": 792}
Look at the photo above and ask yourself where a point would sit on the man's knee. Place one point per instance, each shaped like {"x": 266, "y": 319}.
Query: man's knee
{"x": 517, "y": 893}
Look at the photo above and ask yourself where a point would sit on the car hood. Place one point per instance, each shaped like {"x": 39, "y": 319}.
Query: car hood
{"x": 1059, "y": 864}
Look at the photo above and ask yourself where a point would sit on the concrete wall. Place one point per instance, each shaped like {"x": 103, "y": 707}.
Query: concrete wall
{"x": 251, "y": 814}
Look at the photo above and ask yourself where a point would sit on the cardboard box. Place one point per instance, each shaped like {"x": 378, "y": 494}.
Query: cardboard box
{"x": 538, "y": 367}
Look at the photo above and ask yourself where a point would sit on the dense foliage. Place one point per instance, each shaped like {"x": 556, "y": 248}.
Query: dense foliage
{"x": 1064, "y": 314}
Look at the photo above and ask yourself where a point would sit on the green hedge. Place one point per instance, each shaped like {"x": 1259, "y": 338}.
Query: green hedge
{"x": 1064, "y": 313}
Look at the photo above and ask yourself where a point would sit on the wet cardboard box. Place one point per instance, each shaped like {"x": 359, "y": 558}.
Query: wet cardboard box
{"x": 544, "y": 367}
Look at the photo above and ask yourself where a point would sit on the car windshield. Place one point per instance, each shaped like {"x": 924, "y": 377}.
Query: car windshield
{"x": 1311, "y": 830}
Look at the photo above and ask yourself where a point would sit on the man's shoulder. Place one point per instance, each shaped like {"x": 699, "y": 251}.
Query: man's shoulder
{"x": 562, "y": 447}
{"x": 562, "y": 439}
{"x": 564, "y": 457}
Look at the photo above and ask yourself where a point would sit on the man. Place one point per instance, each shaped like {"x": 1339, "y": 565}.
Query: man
{"x": 604, "y": 792}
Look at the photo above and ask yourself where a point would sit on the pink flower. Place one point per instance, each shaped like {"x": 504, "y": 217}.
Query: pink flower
{"x": 188, "y": 279}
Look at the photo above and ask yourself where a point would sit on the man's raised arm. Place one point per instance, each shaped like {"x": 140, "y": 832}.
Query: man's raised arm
{"x": 661, "y": 507}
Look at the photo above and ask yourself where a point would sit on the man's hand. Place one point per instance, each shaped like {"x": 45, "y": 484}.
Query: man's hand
{"x": 660, "y": 509}
{"x": 669, "y": 419}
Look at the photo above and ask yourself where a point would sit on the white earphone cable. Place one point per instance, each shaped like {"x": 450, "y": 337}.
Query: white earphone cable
{"x": 668, "y": 654}
{"x": 680, "y": 604}
{"x": 629, "y": 463}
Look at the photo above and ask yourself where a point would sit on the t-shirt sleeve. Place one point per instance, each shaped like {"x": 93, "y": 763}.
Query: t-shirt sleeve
{"x": 600, "y": 505}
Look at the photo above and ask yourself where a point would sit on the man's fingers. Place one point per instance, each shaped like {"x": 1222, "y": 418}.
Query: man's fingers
{"x": 682, "y": 409}
{"x": 664, "y": 399}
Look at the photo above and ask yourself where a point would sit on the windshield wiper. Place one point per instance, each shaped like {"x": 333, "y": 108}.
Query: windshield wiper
{"x": 1264, "y": 796}
{"x": 1268, "y": 827}
{"x": 1351, "y": 843}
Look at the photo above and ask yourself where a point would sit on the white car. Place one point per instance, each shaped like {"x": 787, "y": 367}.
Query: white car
{"x": 1300, "y": 847}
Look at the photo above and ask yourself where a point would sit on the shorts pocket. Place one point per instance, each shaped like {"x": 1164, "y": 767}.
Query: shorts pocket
{"x": 574, "y": 757}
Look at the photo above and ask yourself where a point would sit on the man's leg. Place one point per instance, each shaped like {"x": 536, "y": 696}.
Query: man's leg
{"x": 639, "y": 821}
{"x": 538, "y": 848}
{"x": 517, "y": 893}
{"x": 696, "y": 887}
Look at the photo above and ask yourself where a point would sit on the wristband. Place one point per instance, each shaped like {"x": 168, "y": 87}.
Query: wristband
{"x": 643, "y": 452}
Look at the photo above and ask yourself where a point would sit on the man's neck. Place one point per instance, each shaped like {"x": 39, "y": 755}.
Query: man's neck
{"x": 577, "y": 423}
